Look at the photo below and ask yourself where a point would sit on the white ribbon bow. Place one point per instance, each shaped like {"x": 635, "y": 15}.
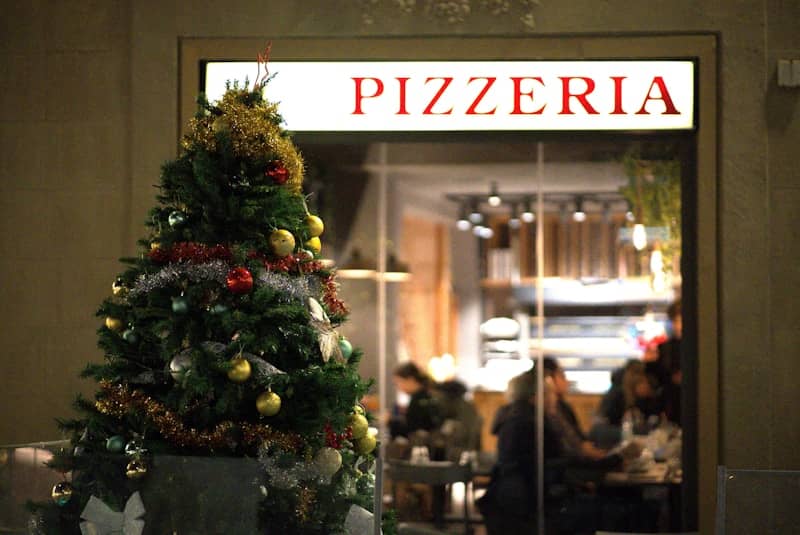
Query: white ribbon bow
{"x": 101, "y": 520}
{"x": 359, "y": 521}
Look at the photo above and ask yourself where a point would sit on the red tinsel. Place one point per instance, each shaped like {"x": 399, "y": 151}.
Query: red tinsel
{"x": 196, "y": 253}
{"x": 290, "y": 263}
{"x": 277, "y": 172}
{"x": 335, "y": 305}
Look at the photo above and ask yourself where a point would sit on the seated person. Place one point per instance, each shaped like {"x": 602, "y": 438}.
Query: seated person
{"x": 634, "y": 397}
{"x": 422, "y": 412}
{"x": 577, "y": 443}
{"x": 665, "y": 370}
{"x": 461, "y": 423}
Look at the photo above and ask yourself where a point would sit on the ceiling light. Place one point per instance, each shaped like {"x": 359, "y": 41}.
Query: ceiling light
{"x": 528, "y": 216}
{"x": 494, "y": 195}
{"x": 639, "y": 237}
{"x": 514, "y": 222}
{"x": 475, "y": 215}
{"x": 463, "y": 222}
{"x": 396, "y": 271}
{"x": 486, "y": 233}
{"x": 579, "y": 215}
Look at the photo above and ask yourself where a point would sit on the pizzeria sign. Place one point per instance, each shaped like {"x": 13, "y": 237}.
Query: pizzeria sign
{"x": 441, "y": 96}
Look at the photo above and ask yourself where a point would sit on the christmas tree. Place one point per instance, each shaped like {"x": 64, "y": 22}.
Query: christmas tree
{"x": 220, "y": 340}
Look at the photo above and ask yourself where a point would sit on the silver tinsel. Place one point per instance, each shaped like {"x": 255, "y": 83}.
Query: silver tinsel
{"x": 261, "y": 368}
{"x": 216, "y": 270}
{"x": 296, "y": 287}
{"x": 286, "y": 475}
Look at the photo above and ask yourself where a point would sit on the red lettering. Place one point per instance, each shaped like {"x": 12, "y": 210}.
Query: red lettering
{"x": 489, "y": 83}
{"x": 518, "y": 94}
{"x": 669, "y": 107}
{"x": 446, "y": 81}
{"x": 566, "y": 95}
{"x": 402, "y": 85}
{"x": 361, "y": 96}
{"x": 618, "y": 95}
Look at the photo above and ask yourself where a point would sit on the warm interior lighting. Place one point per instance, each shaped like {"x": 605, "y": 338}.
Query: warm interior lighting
{"x": 463, "y": 223}
{"x": 396, "y": 271}
{"x": 494, "y": 196}
{"x": 528, "y": 216}
{"x": 475, "y": 215}
{"x": 579, "y": 215}
{"x": 357, "y": 267}
{"x": 639, "y": 237}
{"x": 514, "y": 222}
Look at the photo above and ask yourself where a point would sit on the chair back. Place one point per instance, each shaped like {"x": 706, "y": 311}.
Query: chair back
{"x": 766, "y": 502}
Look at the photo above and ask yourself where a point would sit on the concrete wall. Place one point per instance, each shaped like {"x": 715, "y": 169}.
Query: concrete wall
{"x": 88, "y": 109}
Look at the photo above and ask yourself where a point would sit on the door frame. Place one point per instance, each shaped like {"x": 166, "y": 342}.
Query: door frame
{"x": 702, "y": 319}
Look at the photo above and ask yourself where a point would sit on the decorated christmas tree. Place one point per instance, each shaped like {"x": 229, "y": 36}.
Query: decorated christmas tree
{"x": 220, "y": 341}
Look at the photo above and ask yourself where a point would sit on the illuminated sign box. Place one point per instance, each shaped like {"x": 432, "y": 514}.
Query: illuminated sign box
{"x": 414, "y": 96}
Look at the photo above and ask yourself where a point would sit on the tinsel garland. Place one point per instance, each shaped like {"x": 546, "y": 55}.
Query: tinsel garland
{"x": 300, "y": 288}
{"x": 196, "y": 253}
{"x": 118, "y": 400}
{"x": 216, "y": 270}
{"x": 289, "y": 263}
{"x": 254, "y": 132}
{"x": 330, "y": 296}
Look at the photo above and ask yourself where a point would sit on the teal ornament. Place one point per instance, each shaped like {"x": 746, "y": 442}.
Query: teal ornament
{"x": 180, "y": 305}
{"x": 130, "y": 336}
{"x": 218, "y": 309}
{"x": 346, "y": 347}
{"x": 180, "y": 365}
{"x": 115, "y": 444}
{"x": 176, "y": 219}
{"x": 62, "y": 493}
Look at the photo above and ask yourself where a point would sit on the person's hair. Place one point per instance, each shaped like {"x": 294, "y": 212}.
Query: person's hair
{"x": 452, "y": 388}
{"x": 674, "y": 309}
{"x": 550, "y": 366}
{"x": 634, "y": 373}
{"x": 409, "y": 370}
{"x": 522, "y": 387}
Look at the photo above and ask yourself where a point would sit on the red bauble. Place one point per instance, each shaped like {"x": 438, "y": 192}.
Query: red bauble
{"x": 277, "y": 172}
{"x": 239, "y": 280}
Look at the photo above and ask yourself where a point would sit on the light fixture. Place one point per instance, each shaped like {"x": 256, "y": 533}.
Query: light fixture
{"x": 494, "y": 196}
{"x": 579, "y": 215}
{"x": 528, "y": 216}
{"x": 514, "y": 222}
{"x": 486, "y": 233}
{"x": 463, "y": 222}
{"x": 629, "y": 215}
{"x": 357, "y": 267}
{"x": 475, "y": 215}
{"x": 639, "y": 237}
{"x": 396, "y": 271}
{"x": 477, "y": 229}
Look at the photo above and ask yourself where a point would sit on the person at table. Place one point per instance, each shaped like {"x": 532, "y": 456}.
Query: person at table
{"x": 635, "y": 397}
{"x": 563, "y": 419}
{"x": 510, "y": 502}
{"x": 665, "y": 371}
{"x": 422, "y": 412}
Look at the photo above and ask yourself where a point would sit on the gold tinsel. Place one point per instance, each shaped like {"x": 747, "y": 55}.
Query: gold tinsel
{"x": 305, "y": 501}
{"x": 118, "y": 400}
{"x": 253, "y": 132}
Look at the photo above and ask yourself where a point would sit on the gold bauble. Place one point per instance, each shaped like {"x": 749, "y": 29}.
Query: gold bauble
{"x": 359, "y": 426}
{"x": 314, "y": 225}
{"x": 219, "y": 125}
{"x": 135, "y": 469}
{"x": 154, "y": 245}
{"x": 114, "y": 324}
{"x": 240, "y": 371}
{"x": 327, "y": 462}
{"x": 366, "y": 445}
{"x": 314, "y": 244}
{"x": 358, "y": 409}
{"x": 282, "y": 242}
{"x": 118, "y": 288}
{"x": 268, "y": 403}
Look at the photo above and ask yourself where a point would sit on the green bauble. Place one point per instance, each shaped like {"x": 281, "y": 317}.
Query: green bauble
{"x": 346, "y": 347}
{"x": 218, "y": 309}
{"x": 180, "y": 305}
{"x": 130, "y": 336}
{"x": 115, "y": 444}
{"x": 62, "y": 493}
{"x": 176, "y": 219}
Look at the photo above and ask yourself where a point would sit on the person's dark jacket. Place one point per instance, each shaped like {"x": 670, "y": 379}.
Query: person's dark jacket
{"x": 661, "y": 372}
{"x": 422, "y": 414}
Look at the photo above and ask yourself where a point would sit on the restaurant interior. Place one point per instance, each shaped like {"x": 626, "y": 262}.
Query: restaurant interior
{"x": 497, "y": 254}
